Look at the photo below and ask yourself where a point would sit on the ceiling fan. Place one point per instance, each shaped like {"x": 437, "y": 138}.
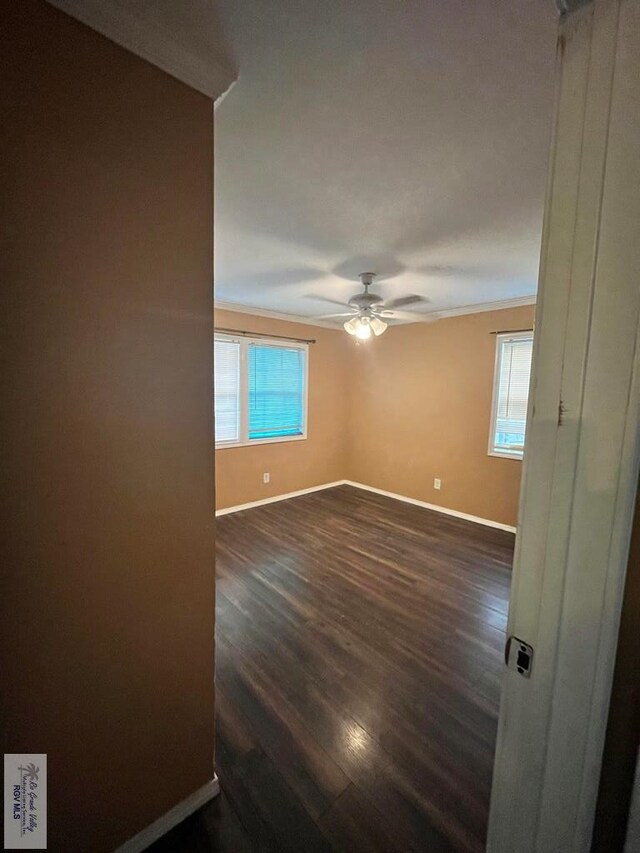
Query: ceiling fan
{"x": 369, "y": 313}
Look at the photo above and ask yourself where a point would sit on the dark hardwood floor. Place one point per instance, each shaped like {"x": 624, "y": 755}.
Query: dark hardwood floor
{"x": 359, "y": 657}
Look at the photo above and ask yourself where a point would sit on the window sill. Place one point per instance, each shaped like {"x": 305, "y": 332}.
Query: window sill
{"x": 227, "y": 445}
{"x": 504, "y": 454}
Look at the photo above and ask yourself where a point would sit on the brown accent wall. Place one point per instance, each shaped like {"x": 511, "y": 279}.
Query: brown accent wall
{"x": 107, "y": 584}
{"x": 293, "y": 465}
{"x": 420, "y": 409}
{"x": 622, "y": 742}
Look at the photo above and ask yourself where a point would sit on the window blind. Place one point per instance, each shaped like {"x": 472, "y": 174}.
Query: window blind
{"x": 512, "y": 393}
{"x": 227, "y": 390}
{"x": 276, "y": 391}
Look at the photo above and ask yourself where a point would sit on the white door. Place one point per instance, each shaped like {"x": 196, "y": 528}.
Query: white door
{"x": 581, "y": 462}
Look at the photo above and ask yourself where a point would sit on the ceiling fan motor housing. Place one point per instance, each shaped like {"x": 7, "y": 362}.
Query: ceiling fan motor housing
{"x": 366, "y": 299}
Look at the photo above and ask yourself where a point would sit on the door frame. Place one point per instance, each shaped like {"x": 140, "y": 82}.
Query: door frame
{"x": 583, "y": 444}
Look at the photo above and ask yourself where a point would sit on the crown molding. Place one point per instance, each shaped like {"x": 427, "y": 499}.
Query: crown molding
{"x": 478, "y": 308}
{"x": 481, "y": 307}
{"x": 148, "y": 39}
{"x": 272, "y": 315}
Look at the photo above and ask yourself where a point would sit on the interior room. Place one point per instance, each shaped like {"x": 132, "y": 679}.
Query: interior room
{"x": 376, "y": 277}
{"x": 320, "y": 328}
{"x": 362, "y": 592}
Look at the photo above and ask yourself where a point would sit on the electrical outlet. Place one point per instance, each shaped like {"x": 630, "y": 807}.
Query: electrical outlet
{"x": 437, "y": 483}
{"x": 266, "y": 478}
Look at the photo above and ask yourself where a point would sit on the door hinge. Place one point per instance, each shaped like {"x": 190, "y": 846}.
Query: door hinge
{"x": 518, "y": 655}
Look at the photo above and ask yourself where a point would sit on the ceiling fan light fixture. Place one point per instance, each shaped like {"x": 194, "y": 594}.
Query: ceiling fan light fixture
{"x": 370, "y": 311}
{"x": 361, "y": 326}
{"x": 363, "y": 332}
{"x": 378, "y": 326}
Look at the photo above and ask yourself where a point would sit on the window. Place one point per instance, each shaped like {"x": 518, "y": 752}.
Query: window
{"x": 260, "y": 391}
{"x": 227, "y": 385}
{"x": 510, "y": 394}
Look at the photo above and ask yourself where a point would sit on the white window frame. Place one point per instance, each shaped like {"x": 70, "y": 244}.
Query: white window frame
{"x": 245, "y": 341}
{"x": 500, "y": 338}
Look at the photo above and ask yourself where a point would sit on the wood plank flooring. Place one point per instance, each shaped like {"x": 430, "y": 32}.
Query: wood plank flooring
{"x": 359, "y": 657}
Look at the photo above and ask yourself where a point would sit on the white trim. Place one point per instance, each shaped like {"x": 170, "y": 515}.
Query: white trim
{"x": 501, "y": 337}
{"x": 517, "y": 455}
{"x": 172, "y": 818}
{"x": 273, "y": 315}
{"x": 252, "y": 442}
{"x": 583, "y": 446}
{"x": 487, "y": 522}
{"x": 479, "y": 308}
{"x": 441, "y": 509}
{"x": 276, "y": 498}
{"x": 146, "y": 37}
{"x": 482, "y": 307}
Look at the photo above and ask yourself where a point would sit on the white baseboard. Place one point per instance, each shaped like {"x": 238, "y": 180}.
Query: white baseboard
{"x": 229, "y": 509}
{"x": 443, "y": 509}
{"x": 172, "y": 818}
{"x": 487, "y": 522}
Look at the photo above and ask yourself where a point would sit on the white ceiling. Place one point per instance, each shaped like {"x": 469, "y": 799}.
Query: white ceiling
{"x": 407, "y": 137}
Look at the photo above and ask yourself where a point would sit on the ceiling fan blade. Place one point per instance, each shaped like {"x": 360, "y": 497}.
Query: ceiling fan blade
{"x": 406, "y": 316}
{"x": 317, "y": 298}
{"x": 401, "y": 301}
{"x": 331, "y": 316}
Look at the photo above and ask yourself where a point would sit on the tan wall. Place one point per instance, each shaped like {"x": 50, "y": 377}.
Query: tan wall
{"x": 293, "y": 465}
{"x": 107, "y": 586}
{"x": 421, "y": 408}
{"x": 393, "y": 413}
